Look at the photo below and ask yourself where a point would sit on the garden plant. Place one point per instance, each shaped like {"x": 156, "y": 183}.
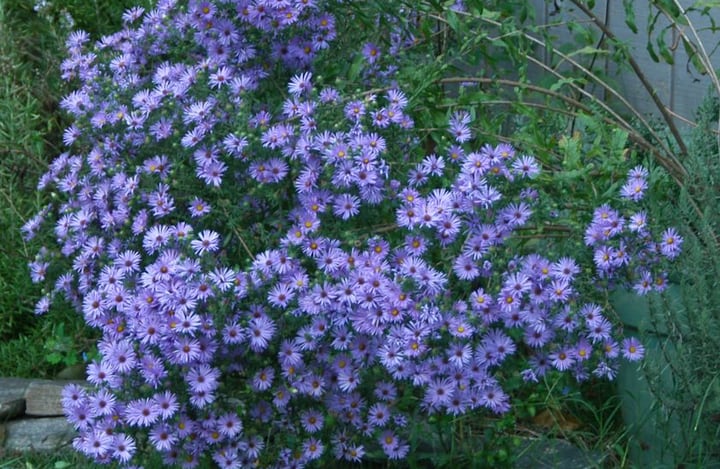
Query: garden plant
{"x": 296, "y": 247}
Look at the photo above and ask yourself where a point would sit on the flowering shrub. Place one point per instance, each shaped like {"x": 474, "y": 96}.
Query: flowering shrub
{"x": 279, "y": 272}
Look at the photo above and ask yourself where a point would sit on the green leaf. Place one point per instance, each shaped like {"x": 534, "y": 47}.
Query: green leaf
{"x": 652, "y": 53}
{"x": 663, "y": 48}
{"x": 54, "y": 358}
{"x": 589, "y": 50}
{"x": 630, "y": 15}
{"x": 61, "y": 464}
{"x": 694, "y": 57}
{"x": 453, "y": 21}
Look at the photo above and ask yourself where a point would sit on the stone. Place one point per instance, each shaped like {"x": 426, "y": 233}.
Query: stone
{"x": 13, "y": 388}
{"x": 38, "y": 434}
{"x": 11, "y": 409}
{"x": 72, "y": 372}
{"x": 43, "y": 398}
{"x": 554, "y": 452}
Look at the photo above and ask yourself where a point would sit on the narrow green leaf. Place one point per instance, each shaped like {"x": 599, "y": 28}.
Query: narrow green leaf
{"x": 652, "y": 53}
{"x": 588, "y": 50}
{"x": 454, "y": 21}
{"x": 663, "y": 48}
{"x": 697, "y": 64}
{"x": 630, "y": 15}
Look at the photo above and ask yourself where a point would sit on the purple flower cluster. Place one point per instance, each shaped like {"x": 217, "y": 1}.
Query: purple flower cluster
{"x": 390, "y": 285}
{"x": 623, "y": 243}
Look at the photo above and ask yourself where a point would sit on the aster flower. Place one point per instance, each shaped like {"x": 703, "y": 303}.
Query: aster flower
{"x": 671, "y": 243}
{"x": 562, "y": 359}
{"x": 300, "y": 84}
{"x": 260, "y": 331}
{"x": 634, "y": 189}
{"x": 123, "y": 447}
{"x": 312, "y": 420}
{"x": 198, "y": 207}
{"x": 207, "y": 241}
{"x": 263, "y": 379}
{"x": 632, "y": 349}
{"x": 141, "y": 412}
{"x": 495, "y": 399}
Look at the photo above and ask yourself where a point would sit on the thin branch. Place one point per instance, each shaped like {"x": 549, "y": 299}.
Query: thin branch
{"x": 242, "y": 241}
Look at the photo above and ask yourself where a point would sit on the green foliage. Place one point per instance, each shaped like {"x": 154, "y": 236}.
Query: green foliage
{"x": 694, "y": 328}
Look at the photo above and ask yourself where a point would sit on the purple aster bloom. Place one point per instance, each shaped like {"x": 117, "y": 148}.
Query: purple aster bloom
{"x": 123, "y": 447}
{"x": 563, "y": 359}
{"x": 371, "y": 52}
{"x": 98, "y": 444}
{"x": 605, "y": 370}
{"x": 212, "y": 173}
{"x": 38, "y": 270}
{"x": 233, "y": 333}
{"x": 73, "y": 395}
{"x": 565, "y": 269}
{"x": 260, "y": 331}
{"x": 167, "y": 404}
{"x": 229, "y": 425}
{"x": 156, "y": 237}
{"x": 122, "y": 355}
{"x": 329, "y": 95}
{"x": 312, "y": 420}
{"x": 671, "y": 243}
{"x": 185, "y": 350}
{"x": 638, "y": 222}
{"x": 632, "y": 349}
{"x": 600, "y": 330}
{"x": 263, "y": 379}
{"x": 162, "y": 437}
{"x": 102, "y": 372}
{"x": 538, "y": 337}
{"x": 300, "y": 84}
{"x": 208, "y": 241}
{"x": 438, "y": 394}
{"x": 141, "y": 412}
{"x": 634, "y": 189}
{"x": 495, "y": 399}
{"x": 465, "y": 268}
{"x": 220, "y": 77}
{"x": 583, "y": 350}
{"x": 313, "y": 449}
{"x": 638, "y": 172}
{"x": 198, "y": 207}
{"x": 526, "y": 166}
{"x": 354, "y": 110}
{"x": 280, "y": 295}
{"x": 346, "y": 206}
{"x": 201, "y": 399}
{"x": 203, "y": 378}
{"x": 644, "y": 284}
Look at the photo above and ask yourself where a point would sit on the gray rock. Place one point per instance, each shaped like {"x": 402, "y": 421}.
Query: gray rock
{"x": 11, "y": 409}
{"x": 72, "y": 372}
{"x": 43, "y": 398}
{"x": 13, "y": 388}
{"x": 39, "y": 434}
{"x": 554, "y": 453}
